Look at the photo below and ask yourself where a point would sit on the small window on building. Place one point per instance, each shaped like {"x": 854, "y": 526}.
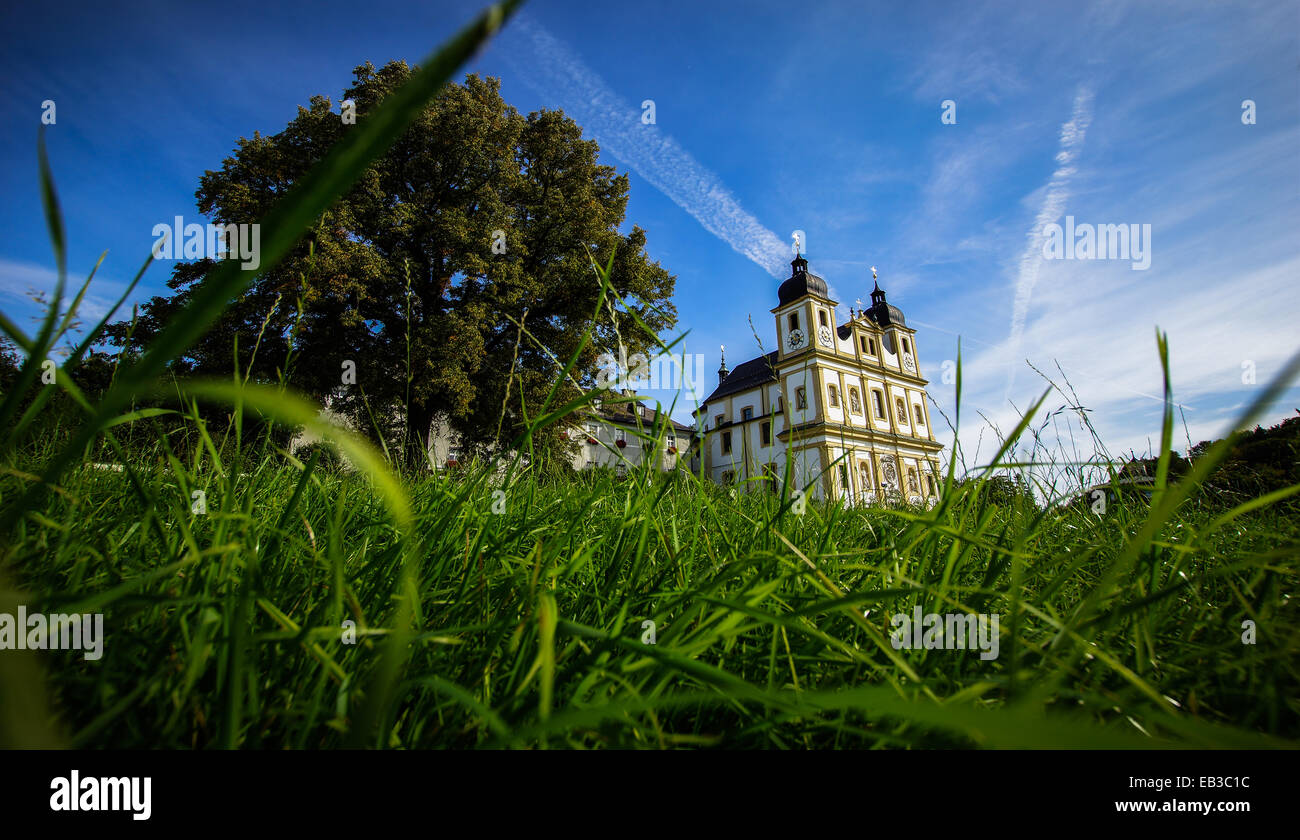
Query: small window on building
{"x": 821, "y": 317}
{"x": 879, "y": 403}
{"x": 906, "y": 348}
{"x": 916, "y": 413}
{"x": 726, "y": 443}
{"x": 834, "y": 396}
{"x": 747, "y": 413}
{"x": 855, "y": 401}
{"x": 862, "y": 342}
{"x": 871, "y": 343}
{"x": 719, "y": 419}
{"x": 780, "y": 405}
{"x": 765, "y": 433}
{"x": 794, "y": 320}
{"x": 902, "y": 409}
{"x": 800, "y": 399}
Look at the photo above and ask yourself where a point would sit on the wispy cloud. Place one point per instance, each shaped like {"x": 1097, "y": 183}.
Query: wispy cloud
{"x": 1057, "y": 193}
{"x": 550, "y": 67}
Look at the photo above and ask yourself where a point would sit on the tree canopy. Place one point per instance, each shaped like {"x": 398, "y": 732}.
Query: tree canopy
{"x": 477, "y": 220}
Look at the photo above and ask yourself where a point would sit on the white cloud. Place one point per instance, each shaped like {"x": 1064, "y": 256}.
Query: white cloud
{"x": 1057, "y": 193}
{"x": 552, "y": 68}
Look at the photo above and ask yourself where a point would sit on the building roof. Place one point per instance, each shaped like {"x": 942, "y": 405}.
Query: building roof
{"x": 886, "y": 314}
{"x": 635, "y": 414}
{"x": 747, "y": 375}
{"x": 801, "y": 282}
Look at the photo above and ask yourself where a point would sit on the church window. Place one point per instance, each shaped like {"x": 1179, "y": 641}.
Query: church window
{"x": 916, "y": 412}
{"x": 765, "y": 433}
{"x": 821, "y": 317}
{"x": 929, "y": 482}
{"x": 871, "y": 342}
{"x": 780, "y": 405}
{"x": 720, "y": 419}
{"x": 794, "y": 320}
{"x": 906, "y": 348}
{"x": 747, "y": 413}
{"x": 726, "y": 443}
{"x": 800, "y": 398}
{"x": 855, "y": 401}
{"x": 879, "y": 403}
{"x": 834, "y": 396}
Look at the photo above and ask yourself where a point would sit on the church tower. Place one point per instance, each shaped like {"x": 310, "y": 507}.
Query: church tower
{"x": 839, "y": 409}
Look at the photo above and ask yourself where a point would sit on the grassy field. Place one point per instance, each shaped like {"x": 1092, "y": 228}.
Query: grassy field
{"x": 511, "y": 611}
{"x": 525, "y": 626}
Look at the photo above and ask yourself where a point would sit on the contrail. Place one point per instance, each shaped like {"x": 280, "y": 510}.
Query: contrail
{"x": 550, "y": 68}
{"x": 1058, "y": 192}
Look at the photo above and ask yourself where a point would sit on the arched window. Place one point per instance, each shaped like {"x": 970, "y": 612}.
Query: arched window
{"x": 879, "y": 403}
{"x": 800, "y": 398}
{"x": 834, "y": 396}
{"x": 916, "y": 413}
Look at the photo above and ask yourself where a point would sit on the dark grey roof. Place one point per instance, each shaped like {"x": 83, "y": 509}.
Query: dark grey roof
{"x": 622, "y": 414}
{"x": 886, "y": 314}
{"x": 747, "y": 375}
{"x": 799, "y": 285}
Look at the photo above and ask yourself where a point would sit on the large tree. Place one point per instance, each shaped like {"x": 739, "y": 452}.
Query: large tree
{"x": 406, "y": 275}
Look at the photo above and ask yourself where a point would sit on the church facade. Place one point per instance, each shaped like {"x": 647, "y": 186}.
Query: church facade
{"x": 839, "y": 410}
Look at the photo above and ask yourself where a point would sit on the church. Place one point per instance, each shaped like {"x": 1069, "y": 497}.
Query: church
{"x": 840, "y": 410}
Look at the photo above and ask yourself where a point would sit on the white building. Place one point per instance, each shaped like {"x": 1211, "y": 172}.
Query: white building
{"x": 840, "y": 408}
{"x": 618, "y": 436}
{"x": 621, "y": 436}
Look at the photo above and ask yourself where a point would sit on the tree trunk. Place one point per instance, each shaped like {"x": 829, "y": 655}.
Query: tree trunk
{"x": 419, "y": 423}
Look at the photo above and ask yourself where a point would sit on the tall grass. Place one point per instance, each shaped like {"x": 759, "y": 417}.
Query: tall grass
{"x": 478, "y": 624}
{"x": 226, "y": 629}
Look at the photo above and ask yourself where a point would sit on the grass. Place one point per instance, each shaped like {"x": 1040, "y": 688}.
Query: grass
{"x": 231, "y": 627}
{"x": 226, "y": 629}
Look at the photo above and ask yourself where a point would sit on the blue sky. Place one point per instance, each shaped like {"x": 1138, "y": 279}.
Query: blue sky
{"x": 822, "y": 117}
